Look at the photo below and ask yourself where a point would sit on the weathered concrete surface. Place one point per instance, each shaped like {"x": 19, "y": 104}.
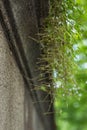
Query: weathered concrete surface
{"x": 32, "y": 119}
{"x": 11, "y": 90}
{"x": 22, "y": 23}
{"x": 17, "y": 111}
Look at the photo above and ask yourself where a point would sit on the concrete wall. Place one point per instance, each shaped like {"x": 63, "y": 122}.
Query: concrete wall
{"x": 16, "y": 108}
{"x": 11, "y": 90}
{"x": 19, "y": 20}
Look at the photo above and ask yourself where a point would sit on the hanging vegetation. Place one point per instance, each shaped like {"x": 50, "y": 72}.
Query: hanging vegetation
{"x": 60, "y": 31}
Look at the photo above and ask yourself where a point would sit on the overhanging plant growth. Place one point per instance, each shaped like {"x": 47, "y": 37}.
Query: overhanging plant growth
{"x": 58, "y": 38}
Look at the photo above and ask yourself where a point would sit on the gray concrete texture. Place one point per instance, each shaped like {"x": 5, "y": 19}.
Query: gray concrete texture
{"x": 16, "y": 108}
{"x": 17, "y": 111}
{"x": 11, "y": 90}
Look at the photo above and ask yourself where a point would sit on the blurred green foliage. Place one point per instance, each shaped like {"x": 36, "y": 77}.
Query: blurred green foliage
{"x": 71, "y": 110}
